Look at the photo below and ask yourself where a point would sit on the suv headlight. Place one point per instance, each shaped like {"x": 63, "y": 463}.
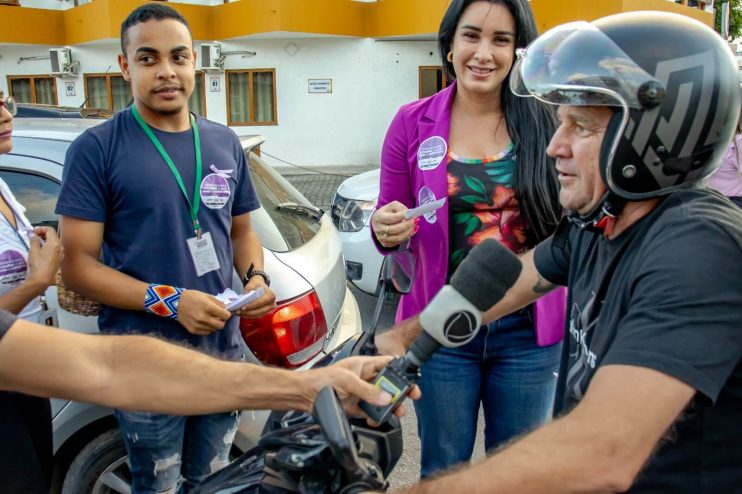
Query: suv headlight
{"x": 350, "y": 215}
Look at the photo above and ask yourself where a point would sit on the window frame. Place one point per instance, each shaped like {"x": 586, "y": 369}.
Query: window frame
{"x": 109, "y": 93}
{"x": 252, "y": 121}
{"x": 443, "y": 81}
{"x": 202, "y": 75}
{"x": 32, "y": 78}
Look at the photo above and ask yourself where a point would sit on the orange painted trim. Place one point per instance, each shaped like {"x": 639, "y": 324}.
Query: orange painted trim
{"x": 694, "y": 12}
{"x": 405, "y": 17}
{"x": 549, "y": 13}
{"x": 102, "y": 19}
{"x": 32, "y": 26}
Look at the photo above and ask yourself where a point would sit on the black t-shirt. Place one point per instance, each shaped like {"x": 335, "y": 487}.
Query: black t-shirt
{"x": 667, "y": 295}
{"x": 6, "y": 321}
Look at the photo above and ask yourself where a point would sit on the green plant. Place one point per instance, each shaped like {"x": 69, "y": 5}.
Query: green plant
{"x": 735, "y": 17}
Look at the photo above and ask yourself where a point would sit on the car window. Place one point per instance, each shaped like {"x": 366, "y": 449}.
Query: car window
{"x": 36, "y": 193}
{"x": 283, "y": 230}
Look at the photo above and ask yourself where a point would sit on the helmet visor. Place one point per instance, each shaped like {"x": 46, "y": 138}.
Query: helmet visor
{"x": 576, "y": 64}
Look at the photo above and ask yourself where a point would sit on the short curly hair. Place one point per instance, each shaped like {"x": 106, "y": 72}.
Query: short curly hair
{"x": 147, "y": 12}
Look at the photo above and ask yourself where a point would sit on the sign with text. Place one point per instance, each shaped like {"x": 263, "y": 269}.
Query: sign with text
{"x": 215, "y": 84}
{"x": 320, "y": 85}
{"x": 69, "y": 89}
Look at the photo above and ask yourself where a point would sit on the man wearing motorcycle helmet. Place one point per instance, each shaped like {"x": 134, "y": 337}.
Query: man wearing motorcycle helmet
{"x": 650, "y": 386}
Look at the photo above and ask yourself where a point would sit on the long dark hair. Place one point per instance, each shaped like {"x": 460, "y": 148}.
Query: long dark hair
{"x": 530, "y": 124}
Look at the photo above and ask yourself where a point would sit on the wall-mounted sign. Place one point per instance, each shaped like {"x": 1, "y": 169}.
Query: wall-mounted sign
{"x": 69, "y": 88}
{"x": 320, "y": 85}
{"x": 214, "y": 84}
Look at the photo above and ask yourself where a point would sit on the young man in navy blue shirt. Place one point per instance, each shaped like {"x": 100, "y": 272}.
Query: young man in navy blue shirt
{"x": 155, "y": 207}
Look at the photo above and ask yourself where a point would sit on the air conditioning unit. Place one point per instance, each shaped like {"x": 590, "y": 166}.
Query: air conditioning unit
{"x": 61, "y": 62}
{"x": 211, "y": 56}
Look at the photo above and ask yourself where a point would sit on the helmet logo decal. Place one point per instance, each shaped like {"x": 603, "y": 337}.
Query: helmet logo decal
{"x": 690, "y": 79}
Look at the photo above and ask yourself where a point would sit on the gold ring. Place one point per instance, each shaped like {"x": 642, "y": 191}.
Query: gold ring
{"x": 386, "y": 231}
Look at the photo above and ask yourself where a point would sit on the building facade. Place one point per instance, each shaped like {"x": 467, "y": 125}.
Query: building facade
{"x": 321, "y": 79}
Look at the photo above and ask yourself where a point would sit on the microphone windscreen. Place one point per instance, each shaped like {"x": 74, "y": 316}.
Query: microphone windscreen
{"x": 486, "y": 274}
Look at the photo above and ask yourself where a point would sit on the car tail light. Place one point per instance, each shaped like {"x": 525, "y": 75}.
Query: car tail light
{"x": 290, "y": 335}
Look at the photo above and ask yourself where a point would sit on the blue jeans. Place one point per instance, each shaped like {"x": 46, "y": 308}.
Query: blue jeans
{"x": 505, "y": 371}
{"x": 170, "y": 454}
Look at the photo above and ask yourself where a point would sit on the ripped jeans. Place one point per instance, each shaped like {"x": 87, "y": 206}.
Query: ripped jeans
{"x": 170, "y": 454}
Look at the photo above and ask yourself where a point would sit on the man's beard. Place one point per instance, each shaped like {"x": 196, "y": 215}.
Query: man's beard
{"x": 167, "y": 113}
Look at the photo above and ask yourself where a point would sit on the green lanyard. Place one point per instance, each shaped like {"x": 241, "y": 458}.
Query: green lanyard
{"x": 193, "y": 206}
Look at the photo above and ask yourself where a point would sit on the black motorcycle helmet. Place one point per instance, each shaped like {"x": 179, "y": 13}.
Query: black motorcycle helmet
{"x": 671, "y": 81}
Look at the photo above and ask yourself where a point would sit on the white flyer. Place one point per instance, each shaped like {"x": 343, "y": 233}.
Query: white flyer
{"x": 425, "y": 208}
{"x": 235, "y": 301}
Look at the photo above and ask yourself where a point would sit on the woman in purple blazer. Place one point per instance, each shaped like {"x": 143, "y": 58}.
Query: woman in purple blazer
{"x": 483, "y": 150}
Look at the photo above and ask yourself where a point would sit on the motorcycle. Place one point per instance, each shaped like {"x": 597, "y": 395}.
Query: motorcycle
{"x": 325, "y": 452}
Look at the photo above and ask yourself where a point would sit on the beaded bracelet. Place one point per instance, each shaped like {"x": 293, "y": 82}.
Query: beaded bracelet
{"x": 162, "y": 300}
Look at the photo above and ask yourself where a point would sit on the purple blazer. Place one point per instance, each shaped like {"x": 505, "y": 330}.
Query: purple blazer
{"x": 413, "y": 172}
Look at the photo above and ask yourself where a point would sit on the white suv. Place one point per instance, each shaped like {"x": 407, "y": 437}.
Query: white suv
{"x": 351, "y": 209}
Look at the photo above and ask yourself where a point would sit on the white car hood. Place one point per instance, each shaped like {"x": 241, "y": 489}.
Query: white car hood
{"x": 361, "y": 187}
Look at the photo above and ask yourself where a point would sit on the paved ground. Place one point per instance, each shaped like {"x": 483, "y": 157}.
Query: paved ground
{"x": 319, "y": 188}
{"x": 318, "y": 184}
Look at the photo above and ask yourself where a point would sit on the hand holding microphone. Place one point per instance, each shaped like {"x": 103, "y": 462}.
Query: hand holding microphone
{"x": 451, "y": 319}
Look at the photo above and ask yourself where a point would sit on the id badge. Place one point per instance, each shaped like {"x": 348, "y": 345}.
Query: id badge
{"x": 203, "y": 254}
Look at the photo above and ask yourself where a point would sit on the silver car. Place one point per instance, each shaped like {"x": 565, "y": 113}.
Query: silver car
{"x": 302, "y": 252}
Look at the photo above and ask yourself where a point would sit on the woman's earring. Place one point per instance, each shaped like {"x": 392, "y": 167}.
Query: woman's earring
{"x": 449, "y": 57}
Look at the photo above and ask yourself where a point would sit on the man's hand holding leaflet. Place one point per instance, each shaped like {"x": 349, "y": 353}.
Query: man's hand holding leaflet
{"x": 236, "y": 301}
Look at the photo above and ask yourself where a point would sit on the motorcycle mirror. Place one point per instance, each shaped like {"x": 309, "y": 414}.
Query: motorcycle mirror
{"x": 328, "y": 413}
{"x": 398, "y": 270}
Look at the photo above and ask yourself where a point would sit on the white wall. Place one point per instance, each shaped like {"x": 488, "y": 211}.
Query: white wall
{"x": 370, "y": 80}
{"x": 48, "y": 4}
{"x": 94, "y": 58}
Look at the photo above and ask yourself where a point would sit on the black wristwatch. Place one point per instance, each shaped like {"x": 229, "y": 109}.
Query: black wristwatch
{"x": 251, "y": 271}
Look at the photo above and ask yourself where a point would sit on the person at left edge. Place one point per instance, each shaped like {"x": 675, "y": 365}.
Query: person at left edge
{"x": 155, "y": 215}
{"x": 29, "y": 259}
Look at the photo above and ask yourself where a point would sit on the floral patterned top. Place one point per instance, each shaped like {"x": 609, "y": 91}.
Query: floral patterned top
{"x": 482, "y": 204}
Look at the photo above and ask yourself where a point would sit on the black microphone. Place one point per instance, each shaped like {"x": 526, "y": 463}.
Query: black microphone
{"x": 451, "y": 319}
